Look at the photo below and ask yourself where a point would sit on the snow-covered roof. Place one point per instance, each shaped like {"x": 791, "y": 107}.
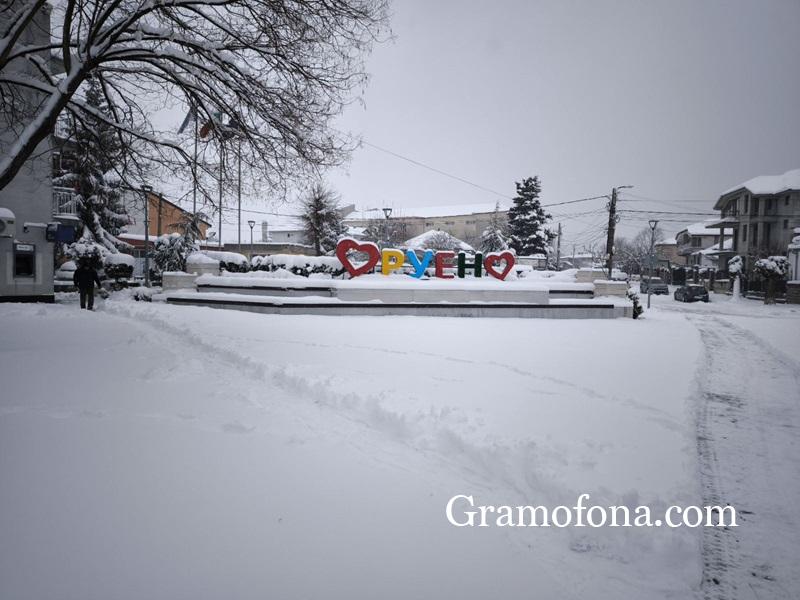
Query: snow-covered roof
{"x": 701, "y": 228}
{"x": 727, "y": 246}
{"x": 770, "y": 184}
{"x": 423, "y": 241}
{"x": 283, "y": 221}
{"x": 6, "y": 213}
{"x": 428, "y": 212}
{"x": 667, "y": 243}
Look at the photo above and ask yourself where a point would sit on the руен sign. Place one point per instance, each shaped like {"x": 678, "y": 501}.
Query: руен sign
{"x": 392, "y": 259}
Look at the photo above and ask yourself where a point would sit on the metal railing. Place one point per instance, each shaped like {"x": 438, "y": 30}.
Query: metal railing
{"x": 64, "y": 202}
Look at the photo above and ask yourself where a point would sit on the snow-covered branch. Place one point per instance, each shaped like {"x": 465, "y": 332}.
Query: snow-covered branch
{"x": 277, "y": 71}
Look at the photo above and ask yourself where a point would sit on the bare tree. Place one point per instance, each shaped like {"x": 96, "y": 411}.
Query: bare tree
{"x": 274, "y": 71}
{"x": 634, "y": 255}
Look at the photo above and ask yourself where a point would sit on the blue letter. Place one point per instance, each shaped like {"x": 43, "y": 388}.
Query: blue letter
{"x": 419, "y": 267}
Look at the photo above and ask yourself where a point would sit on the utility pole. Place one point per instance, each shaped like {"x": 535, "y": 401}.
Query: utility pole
{"x": 612, "y": 223}
{"x": 558, "y": 249}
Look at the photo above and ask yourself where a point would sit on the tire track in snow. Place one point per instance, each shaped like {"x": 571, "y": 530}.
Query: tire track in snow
{"x": 747, "y": 419}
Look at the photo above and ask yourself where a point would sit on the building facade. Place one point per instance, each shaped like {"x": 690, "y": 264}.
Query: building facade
{"x": 762, "y": 213}
{"x": 697, "y": 245}
{"x": 29, "y": 211}
{"x": 467, "y": 222}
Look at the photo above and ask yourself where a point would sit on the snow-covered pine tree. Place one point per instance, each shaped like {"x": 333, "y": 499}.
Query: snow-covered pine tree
{"x": 322, "y": 221}
{"x": 170, "y": 252}
{"x": 494, "y": 238}
{"x": 527, "y": 219}
{"x": 94, "y": 151}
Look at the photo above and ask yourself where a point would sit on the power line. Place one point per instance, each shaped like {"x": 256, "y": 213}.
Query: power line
{"x": 435, "y": 170}
{"x": 668, "y": 212}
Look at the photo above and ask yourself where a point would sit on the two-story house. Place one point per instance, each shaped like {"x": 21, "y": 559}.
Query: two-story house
{"x": 763, "y": 213}
{"x": 696, "y": 245}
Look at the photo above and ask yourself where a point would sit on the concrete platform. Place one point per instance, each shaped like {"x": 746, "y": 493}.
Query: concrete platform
{"x": 334, "y": 306}
{"x": 401, "y": 290}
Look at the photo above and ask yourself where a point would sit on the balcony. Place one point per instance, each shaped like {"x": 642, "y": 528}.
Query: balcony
{"x": 64, "y": 205}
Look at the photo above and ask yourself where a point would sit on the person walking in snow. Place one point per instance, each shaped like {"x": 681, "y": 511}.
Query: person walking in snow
{"x": 85, "y": 277}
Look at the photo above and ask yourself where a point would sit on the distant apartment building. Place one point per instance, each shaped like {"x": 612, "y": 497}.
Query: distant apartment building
{"x": 762, "y": 213}
{"x": 466, "y": 222}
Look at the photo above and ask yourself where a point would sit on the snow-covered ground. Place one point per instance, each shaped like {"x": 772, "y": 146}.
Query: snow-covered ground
{"x": 155, "y": 451}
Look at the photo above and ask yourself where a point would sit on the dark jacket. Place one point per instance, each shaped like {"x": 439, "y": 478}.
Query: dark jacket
{"x": 85, "y": 277}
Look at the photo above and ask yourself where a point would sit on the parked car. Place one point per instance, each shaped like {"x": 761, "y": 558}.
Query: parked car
{"x": 691, "y": 293}
{"x": 655, "y": 286}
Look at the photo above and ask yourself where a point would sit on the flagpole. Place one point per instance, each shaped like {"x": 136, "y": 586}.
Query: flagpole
{"x": 221, "y": 170}
{"x": 239, "y": 193}
{"x": 194, "y": 183}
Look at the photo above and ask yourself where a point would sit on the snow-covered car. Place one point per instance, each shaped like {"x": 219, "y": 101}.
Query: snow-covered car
{"x": 691, "y": 293}
{"x": 653, "y": 285}
{"x": 66, "y": 271}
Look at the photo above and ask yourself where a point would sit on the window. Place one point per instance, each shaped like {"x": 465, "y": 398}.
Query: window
{"x": 24, "y": 260}
{"x": 786, "y": 200}
{"x": 746, "y": 203}
{"x": 786, "y": 223}
{"x": 696, "y": 242}
{"x": 744, "y": 233}
{"x": 755, "y": 234}
{"x": 755, "y": 206}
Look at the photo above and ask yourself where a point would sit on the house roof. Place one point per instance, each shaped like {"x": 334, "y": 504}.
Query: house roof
{"x": 701, "y": 228}
{"x": 422, "y": 241}
{"x": 767, "y": 184}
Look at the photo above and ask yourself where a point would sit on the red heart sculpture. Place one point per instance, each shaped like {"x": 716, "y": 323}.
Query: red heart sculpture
{"x": 346, "y": 245}
{"x": 494, "y": 258}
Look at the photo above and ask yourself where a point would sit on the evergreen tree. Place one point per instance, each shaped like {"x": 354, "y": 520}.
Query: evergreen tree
{"x": 493, "y": 238}
{"x": 171, "y": 251}
{"x": 95, "y": 151}
{"x": 322, "y": 221}
{"x": 526, "y": 220}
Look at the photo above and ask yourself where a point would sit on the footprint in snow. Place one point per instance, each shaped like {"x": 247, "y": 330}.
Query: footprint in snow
{"x": 237, "y": 428}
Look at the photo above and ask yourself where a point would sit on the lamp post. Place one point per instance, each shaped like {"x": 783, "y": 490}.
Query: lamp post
{"x": 252, "y": 224}
{"x": 146, "y": 189}
{"x": 653, "y": 224}
{"x": 387, "y": 212}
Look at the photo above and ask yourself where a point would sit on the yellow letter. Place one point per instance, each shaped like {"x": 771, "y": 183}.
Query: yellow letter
{"x": 391, "y": 259}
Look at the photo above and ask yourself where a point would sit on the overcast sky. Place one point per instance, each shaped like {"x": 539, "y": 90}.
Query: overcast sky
{"x": 681, "y": 99}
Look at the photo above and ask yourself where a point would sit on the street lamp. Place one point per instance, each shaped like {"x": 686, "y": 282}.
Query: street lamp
{"x": 252, "y": 224}
{"x": 387, "y": 212}
{"x": 146, "y": 190}
{"x": 653, "y": 224}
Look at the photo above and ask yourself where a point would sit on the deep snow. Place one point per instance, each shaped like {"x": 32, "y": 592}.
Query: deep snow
{"x": 161, "y": 451}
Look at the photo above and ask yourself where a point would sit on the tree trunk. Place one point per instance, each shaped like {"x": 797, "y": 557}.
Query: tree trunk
{"x": 769, "y": 296}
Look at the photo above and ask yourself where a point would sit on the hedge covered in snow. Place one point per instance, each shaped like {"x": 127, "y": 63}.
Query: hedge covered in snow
{"x": 299, "y": 265}
{"x": 773, "y": 267}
